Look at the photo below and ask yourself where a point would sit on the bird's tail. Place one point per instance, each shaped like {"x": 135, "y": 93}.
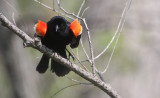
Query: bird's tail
{"x": 43, "y": 64}
{"x": 58, "y": 68}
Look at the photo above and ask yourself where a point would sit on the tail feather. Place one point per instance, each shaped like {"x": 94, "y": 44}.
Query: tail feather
{"x": 43, "y": 64}
{"x": 58, "y": 68}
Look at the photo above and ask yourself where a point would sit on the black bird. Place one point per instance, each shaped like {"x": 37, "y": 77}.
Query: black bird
{"x": 56, "y": 34}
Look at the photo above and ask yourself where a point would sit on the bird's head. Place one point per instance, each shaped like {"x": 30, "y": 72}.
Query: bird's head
{"x": 40, "y": 28}
{"x": 76, "y": 28}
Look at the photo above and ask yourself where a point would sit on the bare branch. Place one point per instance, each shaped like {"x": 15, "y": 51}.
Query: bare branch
{"x": 111, "y": 55}
{"x": 68, "y": 87}
{"x": 77, "y": 53}
{"x": 82, "y": 61}
{"x": 75, "y": 80}
{"x": 53, "y": 9}
{"x": 90, "y": 45}
{"x": 84, "y": 11}
{"x": 86, "y": 75}
{"x": 116, "y": 41}
{"x": 84, "y": 50}
{"x": 78, "y": 59}
{"x": 72, "y": 79}
{"x": 68, "y": 13}
{"x": 11, "y": 6}
{"x": 14, "y": 22}
{"x": 122, "y": 20}
{"x": 81, "y": 7}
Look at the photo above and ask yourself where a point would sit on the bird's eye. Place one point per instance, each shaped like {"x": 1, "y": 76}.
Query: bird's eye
{"x": 61, "y": 28}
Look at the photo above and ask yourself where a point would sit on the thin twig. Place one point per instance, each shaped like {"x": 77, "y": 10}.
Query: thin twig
{"x": 111, "y": 55}
{"x": 84, "y": 50}
{"x": 72, "y": 79}
{"x": 68, "y": 87}
{"x": 78, "y": 59}
{"x": 98, "y": 72}
{"x": 81, "y": 7}
{"x": 128, "y": 3}
{"x": 118, "y": 28}
{"x": 84, "y": 11}
{"x": 75, "y": 80}
{"x": 77, "y": 53}
{"x": 13, "y": 18}
{"x": 100, "y": 76}
{"x": 82, "y": 61}
{"x": 68, "y": 13}
{"x": 53, "y": 9}
{"x": 11, "y": 6}
{"x": 53, "y": 4}
{"x": 90, "y": 45}
{"x": 116, "y": 40}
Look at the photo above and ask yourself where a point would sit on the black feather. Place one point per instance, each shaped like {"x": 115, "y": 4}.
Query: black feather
{"x": 58, "y": 68}
{"x": 43, "y": 64}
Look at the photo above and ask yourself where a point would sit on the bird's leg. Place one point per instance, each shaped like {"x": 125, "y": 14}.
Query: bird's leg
{"x": 37, "y": 39}
{"x": 70, "y": 55}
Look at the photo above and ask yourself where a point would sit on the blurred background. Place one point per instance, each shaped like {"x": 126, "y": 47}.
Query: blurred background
{"x": 134, "y": 71}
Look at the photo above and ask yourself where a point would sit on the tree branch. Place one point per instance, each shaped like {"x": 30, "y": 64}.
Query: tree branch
{"x": 68, "y": 87}
{"x": 119, "y": 27}
{"x": 29, "y": 42}
{"x": 54, "y": 10}
{"x": 90, "y": 45}
{"x": 81, "y": 7}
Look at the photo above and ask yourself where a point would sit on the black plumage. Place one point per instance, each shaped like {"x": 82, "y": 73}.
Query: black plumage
{"x": 57, "y": 36}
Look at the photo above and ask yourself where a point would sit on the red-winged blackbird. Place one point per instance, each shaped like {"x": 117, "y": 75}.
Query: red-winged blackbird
{"x": 56, "y": 34}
